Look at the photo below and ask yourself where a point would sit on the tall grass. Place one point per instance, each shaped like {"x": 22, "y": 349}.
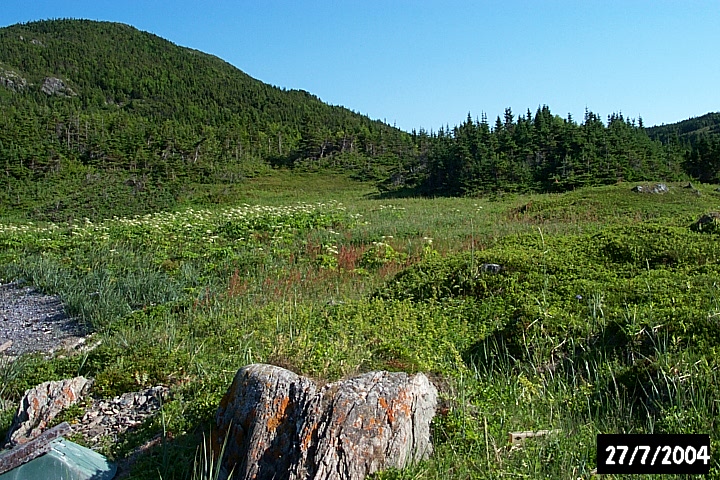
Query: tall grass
{"x": 596, "y": 324}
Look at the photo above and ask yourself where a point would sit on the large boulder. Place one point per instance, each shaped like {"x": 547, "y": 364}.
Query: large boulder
{"x": 275, "y": 424}
{"x": 40, "y": 406}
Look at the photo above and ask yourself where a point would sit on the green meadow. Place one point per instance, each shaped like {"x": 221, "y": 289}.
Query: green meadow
{"x": 604, "y": 316}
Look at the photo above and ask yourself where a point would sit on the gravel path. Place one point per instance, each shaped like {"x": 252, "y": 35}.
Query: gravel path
{"x": 31, "y": 321}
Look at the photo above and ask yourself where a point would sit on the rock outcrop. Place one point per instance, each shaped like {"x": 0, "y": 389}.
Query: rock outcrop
{"x": 55, "y": 86}
{"x": 40, "y": 406}
{"x": 656, "y": 188}
{"x": 12, "y": 80}
{"x": 275, "y": 424}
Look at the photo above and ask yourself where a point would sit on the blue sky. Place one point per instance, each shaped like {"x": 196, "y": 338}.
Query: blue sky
{"x": 428, "y": 63}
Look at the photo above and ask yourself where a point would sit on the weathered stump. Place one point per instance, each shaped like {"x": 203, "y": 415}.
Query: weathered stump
{"x": 278, "y": 425}
{"x": 707, "y": 223}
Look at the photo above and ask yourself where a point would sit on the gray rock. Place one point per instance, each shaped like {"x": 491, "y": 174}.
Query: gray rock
{"x": 106, "y": 420}
{"x": 55, "y": 86}
{"x": 656, "y": 188}
{"x": 278, "y": 425}
{"x": 40, "y": 405}
{"x": 491, "y": 267}
{"x": 12, "y": 80}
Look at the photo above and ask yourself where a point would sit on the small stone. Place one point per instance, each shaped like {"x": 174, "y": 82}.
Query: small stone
{"x": 491, "y": 267}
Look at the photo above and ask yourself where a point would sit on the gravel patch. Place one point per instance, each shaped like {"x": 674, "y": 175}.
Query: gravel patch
{"x": 31, "y": 321}
{"x": 106, "y": 420}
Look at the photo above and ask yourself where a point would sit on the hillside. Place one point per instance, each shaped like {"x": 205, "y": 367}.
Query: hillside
{"x": 690, "y": 129}
{"x": 100, "y": 119}
{"x": 700, "y": 137}
{"x": 81, "y": 96}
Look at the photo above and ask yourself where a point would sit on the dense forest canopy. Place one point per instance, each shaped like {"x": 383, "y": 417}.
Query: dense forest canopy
{"x": 541, "y": 152}
{"x": 133, "y": 98}
{"x": 88, "y": 103}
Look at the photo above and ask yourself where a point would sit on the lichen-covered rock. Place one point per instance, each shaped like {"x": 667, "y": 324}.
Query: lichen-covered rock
{"x": 41, "y": 404}
{"x": 278, "y": 425}
{"x": 366, "y": 424}
{"x": 258, "y": 421}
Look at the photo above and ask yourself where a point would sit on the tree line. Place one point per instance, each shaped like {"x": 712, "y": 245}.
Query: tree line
{"x": 543, "y": 152}
{"x": 144, "y": 108}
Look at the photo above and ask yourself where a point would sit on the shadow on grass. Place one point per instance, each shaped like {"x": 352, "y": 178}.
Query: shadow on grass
{"x": 149, "y": 450}
{"x": 621, "y": 374}
{"x": 395, "y": 194}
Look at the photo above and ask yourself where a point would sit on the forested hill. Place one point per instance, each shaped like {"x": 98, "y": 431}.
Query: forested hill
{"x": 100, "y": 119}
{"x": 701, "y": 139}
{"x": 79, "y": 94}
{"x": 690, "y": 129}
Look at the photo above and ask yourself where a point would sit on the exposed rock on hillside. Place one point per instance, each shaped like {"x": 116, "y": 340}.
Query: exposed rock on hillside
{"x": 278, "y": 425}
{"x": 55, "y": 86}
{"x": 12, "y": 80}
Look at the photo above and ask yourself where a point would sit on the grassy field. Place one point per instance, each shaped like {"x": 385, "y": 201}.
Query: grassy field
{"x": 605, "y": 317}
